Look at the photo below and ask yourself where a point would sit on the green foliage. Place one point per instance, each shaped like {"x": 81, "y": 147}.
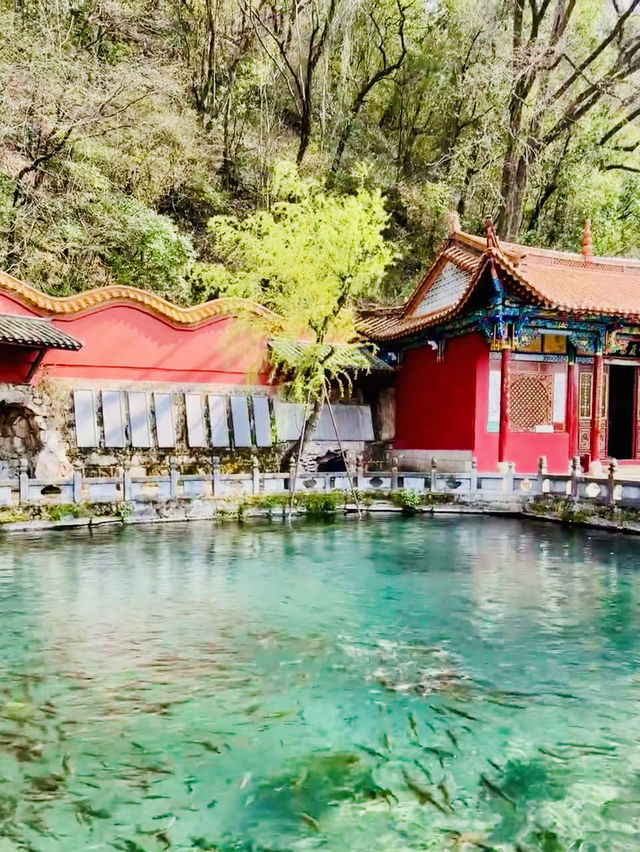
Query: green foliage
{"x": 320, "y": 503}
{"x": 308, "y": 258}
{"x": 10, "y": 515}
{"x": 123, "y": 511}
{"x": 122, "y": 134}
{"x": 145, "y": 249}
{"x": 408, "y": 501}
{"x": 63, "y": 511}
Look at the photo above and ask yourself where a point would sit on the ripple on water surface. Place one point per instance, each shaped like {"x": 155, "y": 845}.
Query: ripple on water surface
{"x": 439, "y": 684}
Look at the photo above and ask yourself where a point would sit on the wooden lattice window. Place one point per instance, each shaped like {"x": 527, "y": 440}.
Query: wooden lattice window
{"x": 531, "y": 400}
{"x": 584, "y": 403}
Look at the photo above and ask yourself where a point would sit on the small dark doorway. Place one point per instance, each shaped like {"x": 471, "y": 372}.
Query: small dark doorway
{"x": 621, "y": 407}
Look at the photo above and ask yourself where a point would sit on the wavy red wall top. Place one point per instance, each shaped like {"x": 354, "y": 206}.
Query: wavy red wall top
{"x": 125, "y": 342}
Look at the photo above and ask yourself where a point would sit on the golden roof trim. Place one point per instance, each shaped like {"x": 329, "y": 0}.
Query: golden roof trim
{"x": 65, "y": 306}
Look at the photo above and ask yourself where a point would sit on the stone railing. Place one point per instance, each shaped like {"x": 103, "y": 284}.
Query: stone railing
{"x": 611, "y": 488}
{"x": 470, "y": 486}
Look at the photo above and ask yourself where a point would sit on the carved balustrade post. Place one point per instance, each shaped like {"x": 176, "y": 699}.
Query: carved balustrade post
{"x": 473, "y": 486}
{"x": 434, "y": 474}
{"x": 23, "y": 482}
{"x": 255, "y": 475}
{"x": 174, "y": 478}
{"x": 542, "y": 473}
{"x": 613, "y": 470}
{"x": 394, "y": 474}
{"x": 216, "y": 481}
{"x": 77, "y": 482}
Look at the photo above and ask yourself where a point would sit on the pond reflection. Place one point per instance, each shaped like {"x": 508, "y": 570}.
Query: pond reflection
{"x": 458, "y": 683}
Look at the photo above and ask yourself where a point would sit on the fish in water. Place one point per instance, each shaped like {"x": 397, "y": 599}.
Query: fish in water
{"x": 86, "y": 812}
{"x": 371, "y": 752}
{"x": 445, "y": 793}
{"x": 424, "y": 769}
{"x": 453, "y": 739}
{"x": 497, "y": 791}
{"x": 553, "y": 754}
{"x": 605, "y": 749}
{"x": 440, "y": 753}
{"x": 413, "y": 725}
{"x": 310, "y": 821}
{"x": 207, "y": 745}
{"x": 386, "y": 741}
{"x": 463, "y": 839}
{"x": 383, "y": 793}
{"x": 462, "y": 713}
{"x": 127, "y": 845}
{"x": 421, "y": 793}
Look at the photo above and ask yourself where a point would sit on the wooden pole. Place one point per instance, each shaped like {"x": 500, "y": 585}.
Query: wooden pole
{"x": 572, "y": 406}
{"x": 292, "y": 483}
{"x": 505, "y": 371}
{"x": 598, "y": 372}
{"x": 344, "y": 457}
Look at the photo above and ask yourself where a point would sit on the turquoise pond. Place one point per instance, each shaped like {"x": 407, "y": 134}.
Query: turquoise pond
{"x": 458, "y": 683}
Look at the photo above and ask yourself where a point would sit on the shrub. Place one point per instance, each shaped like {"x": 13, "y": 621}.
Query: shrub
{"x": 9, "y": 515}
{"x": 320, "y": 503}
{"x": 408, "y": 501}
{"x": 65, "y": 510}
{"x": 123, "y": 511}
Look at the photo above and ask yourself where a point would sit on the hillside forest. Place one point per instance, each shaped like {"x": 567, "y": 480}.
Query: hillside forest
{"x": 137, "y": 137}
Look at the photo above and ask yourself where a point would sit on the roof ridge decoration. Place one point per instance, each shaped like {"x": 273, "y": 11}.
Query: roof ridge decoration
{"x": 67, "y": 306}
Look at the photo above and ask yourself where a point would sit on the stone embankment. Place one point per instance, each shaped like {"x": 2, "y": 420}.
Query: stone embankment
{"x": 564, "y": 510}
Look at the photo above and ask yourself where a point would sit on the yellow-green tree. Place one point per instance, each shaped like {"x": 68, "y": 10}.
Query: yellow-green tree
{"x": 311, "y": 257}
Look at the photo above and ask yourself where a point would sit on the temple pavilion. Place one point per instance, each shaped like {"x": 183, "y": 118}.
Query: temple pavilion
{"x": 507, "y": 353}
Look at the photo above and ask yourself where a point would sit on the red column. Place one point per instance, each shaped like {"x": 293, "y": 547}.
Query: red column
{"x": 596, "y": 408}
{"x": 572, "y": 408}
{"x": 505, "y": 370}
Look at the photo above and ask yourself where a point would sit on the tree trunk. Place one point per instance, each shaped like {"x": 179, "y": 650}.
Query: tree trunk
{"x": 514, "y": 195}
{"x": 298, "y": 447}
{"x": 305, "y": 128}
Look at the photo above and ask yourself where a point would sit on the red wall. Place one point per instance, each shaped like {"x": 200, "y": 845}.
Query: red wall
{"x": 15, "y": 362}
{"x": 124, "y": 342}
{"x": 523, "y": 448}
{"x": 444, "y": 406}
{"x": 436, "y": 401}
{"x": 486, "y": 443}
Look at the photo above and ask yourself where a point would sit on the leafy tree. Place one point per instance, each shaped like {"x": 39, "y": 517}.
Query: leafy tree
{"x": 125, "y": 126}
{"x": 309, "y": 258}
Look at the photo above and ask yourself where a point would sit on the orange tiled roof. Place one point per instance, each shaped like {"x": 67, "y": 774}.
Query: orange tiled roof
{"x": 61, "y": 306}
{"x": 553, "y": 279}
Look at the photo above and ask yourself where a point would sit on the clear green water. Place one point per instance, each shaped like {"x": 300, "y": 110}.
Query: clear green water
{"x": 441, "y": 684}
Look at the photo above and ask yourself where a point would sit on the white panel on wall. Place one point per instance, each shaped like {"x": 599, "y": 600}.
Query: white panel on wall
{"x": 113, "y": 419}
{"x": 262, "y": 420}
{"x": 289, "y": 417}
{"x": 165, "y": 426}
{"x": 240, "y": 420}
{"x": 139, "y": 419}
{"x": 85, "y": 415}
{"x": 219, "y": 422}
{"x": 354, "y": 422}
{"x": 559, "y": 397}
{"x": 196, "y": 431}
{"x": 493, "y": 415}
